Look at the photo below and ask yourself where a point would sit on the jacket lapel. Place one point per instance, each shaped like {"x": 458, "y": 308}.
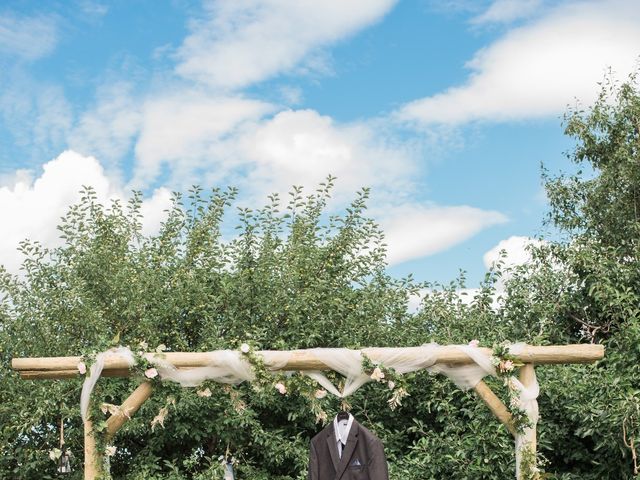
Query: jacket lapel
{"x": 333, "y": 447}
{"x": 352, "y": 440}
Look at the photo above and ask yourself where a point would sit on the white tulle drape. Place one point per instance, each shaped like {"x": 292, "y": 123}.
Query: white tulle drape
{"x": 96, "y": 370}
{"x": 229, "y": 366}
{"x": 225, "y": 366}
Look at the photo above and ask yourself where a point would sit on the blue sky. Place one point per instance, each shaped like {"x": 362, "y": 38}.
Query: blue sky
{"x": 445, "y": 108}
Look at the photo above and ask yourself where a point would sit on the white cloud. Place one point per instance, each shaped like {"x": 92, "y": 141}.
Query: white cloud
{"x": 414, "y": 231}
{"x": 240, "y": 43}
{"x": 505, "y": 11}
{"x": 32, "y": 208}
{"x": 302, "y": 147}
{"x": 107, "y": 130}
{"x": 93, "y": 9}
{"x": 36, "y": 115}
{"x": 184, "y": 129}
{"x": 515, "y": 248}
{"x": 29, "y": 38}
{"x": 538, "y": 69}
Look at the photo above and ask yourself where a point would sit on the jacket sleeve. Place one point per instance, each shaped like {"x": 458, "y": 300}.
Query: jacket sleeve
{"x": 313, "y": 463}
{"x": 378, "y": 468}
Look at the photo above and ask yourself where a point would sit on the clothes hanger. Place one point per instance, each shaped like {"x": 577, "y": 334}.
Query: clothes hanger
{"x": 342, "y": 415}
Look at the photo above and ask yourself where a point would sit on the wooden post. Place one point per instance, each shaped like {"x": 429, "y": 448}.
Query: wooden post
{"x": 128, "y": 408}
{"x": 495, "y": 405}
{"x": 527, "y": 377}
{"x": 92, "y": 458}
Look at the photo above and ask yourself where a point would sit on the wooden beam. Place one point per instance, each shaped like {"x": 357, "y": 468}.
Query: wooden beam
{"x": 129, "y": 407}
{"x": 64, "y": 374}
{"x": 92, "y": 458}
{"x": 66, "y": 367}
{"x": 496, "y": 406}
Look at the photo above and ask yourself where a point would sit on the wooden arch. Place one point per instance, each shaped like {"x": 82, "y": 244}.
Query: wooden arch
{"x": 66, "y": 367}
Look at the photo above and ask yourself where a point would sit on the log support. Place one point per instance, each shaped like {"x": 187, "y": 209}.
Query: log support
{"x": 93, "y": 460}
{"x": 129, "y": 407}
{"x": 495, "y": 405}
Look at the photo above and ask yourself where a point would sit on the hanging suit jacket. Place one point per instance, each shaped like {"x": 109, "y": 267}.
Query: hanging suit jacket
{"x": 362, "y": 459}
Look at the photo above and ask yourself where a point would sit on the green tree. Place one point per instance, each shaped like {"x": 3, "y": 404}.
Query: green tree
{"x": 294, "y": 276}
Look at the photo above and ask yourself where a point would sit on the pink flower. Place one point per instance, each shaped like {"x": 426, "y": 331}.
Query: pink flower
{"x": 320, "y": 393}
{"x": 377, "y": 374}
{"x": 506, "y": 366}
{"x": 474, "y": 343}
{"x": 151, "y": 373}
{"x": 82, "y": 368}
{"x": 281, "y": 388}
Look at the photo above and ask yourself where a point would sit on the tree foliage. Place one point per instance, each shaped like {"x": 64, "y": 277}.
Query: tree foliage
{"x": 293, "y": 276}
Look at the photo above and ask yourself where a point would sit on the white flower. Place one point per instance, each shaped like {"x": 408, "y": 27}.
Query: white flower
{"x": 144, "y": 346}
{"x": 320, "y": 393}
{"x": 204, "y": 393}
{"x": 474, "y": 343}
{"x": 161, "y": 348}
{"x": 510, "y": 383}
{"x": 82, "y": 368}
{"x": 321, "y": 416}
{"x": 110, "y": 451}
{"x": 244, "y": 348}
{"x": 281, "y": 388}
{"x": 151, "y": 373}
{"x": 159, "y": 418}
{"x": 396, "y": 399}
{"x": 55, "y": 454}
{"x": 391, "y": 384}
{"x": 377, "y": 374}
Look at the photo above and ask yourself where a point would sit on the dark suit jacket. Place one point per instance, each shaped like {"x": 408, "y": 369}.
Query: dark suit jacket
{"x": 363, "y": 457}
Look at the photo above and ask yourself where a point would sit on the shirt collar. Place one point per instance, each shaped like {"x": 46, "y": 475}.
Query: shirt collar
{"x": 342, "y": 433}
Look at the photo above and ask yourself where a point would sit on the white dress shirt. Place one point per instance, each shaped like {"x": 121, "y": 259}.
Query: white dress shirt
{"x": 341, "y": 430}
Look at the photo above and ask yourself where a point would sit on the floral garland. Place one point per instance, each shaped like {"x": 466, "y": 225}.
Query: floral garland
{"x": 286, "y": 384}
{"x": 396, "y": 383}
{"x": 507, "y": 366}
